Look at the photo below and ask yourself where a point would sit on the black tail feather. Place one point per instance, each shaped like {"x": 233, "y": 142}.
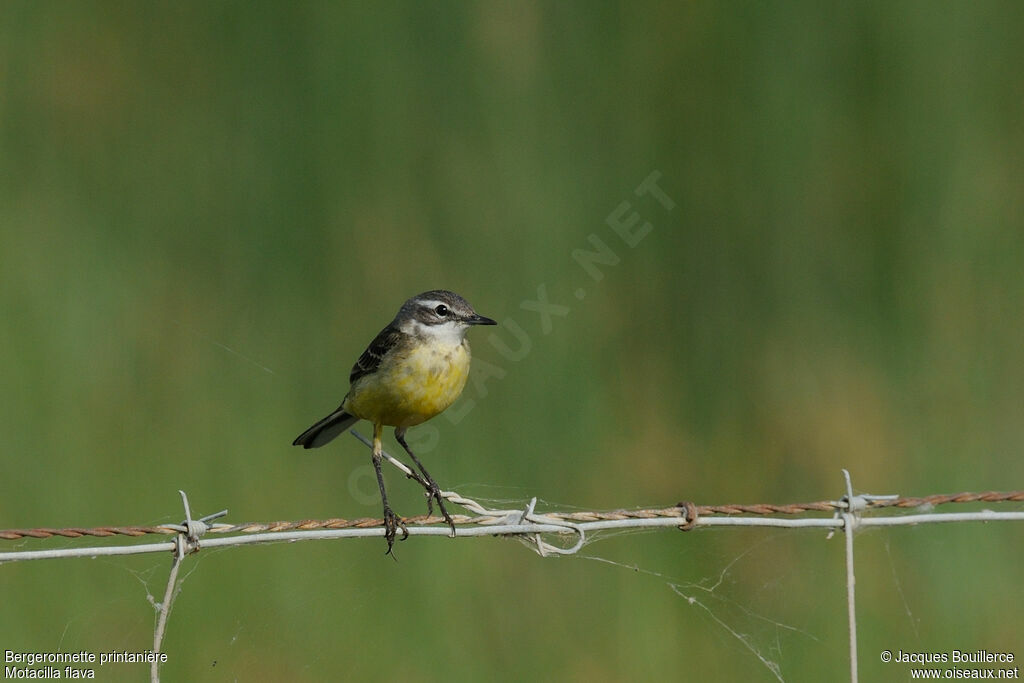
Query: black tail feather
{"x": 326, "y": 430}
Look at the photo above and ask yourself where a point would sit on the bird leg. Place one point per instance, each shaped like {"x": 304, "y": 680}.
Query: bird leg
{"x": 411, "y": 474}
{"x": 391, "y": 520}
{"x": 433, "y": 491}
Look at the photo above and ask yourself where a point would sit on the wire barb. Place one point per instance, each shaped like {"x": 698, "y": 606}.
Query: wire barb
{"x": 191, "y": 530}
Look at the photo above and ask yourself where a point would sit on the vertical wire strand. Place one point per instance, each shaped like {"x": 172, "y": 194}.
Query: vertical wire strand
{"x": 851, "y": 578}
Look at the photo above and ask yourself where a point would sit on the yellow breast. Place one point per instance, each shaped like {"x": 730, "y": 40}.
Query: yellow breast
{"x": 412, "y": 385}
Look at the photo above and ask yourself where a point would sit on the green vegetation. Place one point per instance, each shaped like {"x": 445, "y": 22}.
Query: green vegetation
{"x": 208, "y": 209}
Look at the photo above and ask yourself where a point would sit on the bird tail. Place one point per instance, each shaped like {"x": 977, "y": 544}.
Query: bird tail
{"x": 326, "y": 429}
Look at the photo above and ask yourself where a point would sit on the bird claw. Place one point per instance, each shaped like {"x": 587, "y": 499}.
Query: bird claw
{"x": 392, "y": 522}
{"x": 434, "y": 493}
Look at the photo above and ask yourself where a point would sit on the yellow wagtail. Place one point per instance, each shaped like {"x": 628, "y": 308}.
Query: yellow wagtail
{"x": 414, "y": 369}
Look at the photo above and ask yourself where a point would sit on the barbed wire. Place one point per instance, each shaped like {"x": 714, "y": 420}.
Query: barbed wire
{"x": 526, "y": 524}
{"x": 494, "y": 517}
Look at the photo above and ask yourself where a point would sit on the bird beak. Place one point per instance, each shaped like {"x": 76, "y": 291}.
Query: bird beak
{"x": 479, "y": 320}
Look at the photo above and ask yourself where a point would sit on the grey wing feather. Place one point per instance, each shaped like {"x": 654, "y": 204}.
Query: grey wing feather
{"x": 374, "y": 353}
{"x": 337, "y": 422}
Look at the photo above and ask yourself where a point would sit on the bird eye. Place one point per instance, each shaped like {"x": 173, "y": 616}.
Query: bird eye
{"x": 441, "y": 310}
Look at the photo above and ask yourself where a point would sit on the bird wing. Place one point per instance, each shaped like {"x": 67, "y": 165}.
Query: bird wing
{"x": 375, "y": 352}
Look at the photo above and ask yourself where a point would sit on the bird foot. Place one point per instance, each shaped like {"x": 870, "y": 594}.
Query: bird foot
{"x": 392, "y": 523}
{"x": 434, "y": 493}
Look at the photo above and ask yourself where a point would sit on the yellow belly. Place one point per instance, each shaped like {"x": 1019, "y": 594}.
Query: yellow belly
{"x": 412, "y": 387}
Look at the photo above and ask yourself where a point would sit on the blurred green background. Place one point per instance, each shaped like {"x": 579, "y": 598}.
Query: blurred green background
{"x": 208, "y": 209}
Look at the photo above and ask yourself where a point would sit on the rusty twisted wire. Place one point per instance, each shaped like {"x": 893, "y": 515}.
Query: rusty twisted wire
{"x": 685, "y": 511}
